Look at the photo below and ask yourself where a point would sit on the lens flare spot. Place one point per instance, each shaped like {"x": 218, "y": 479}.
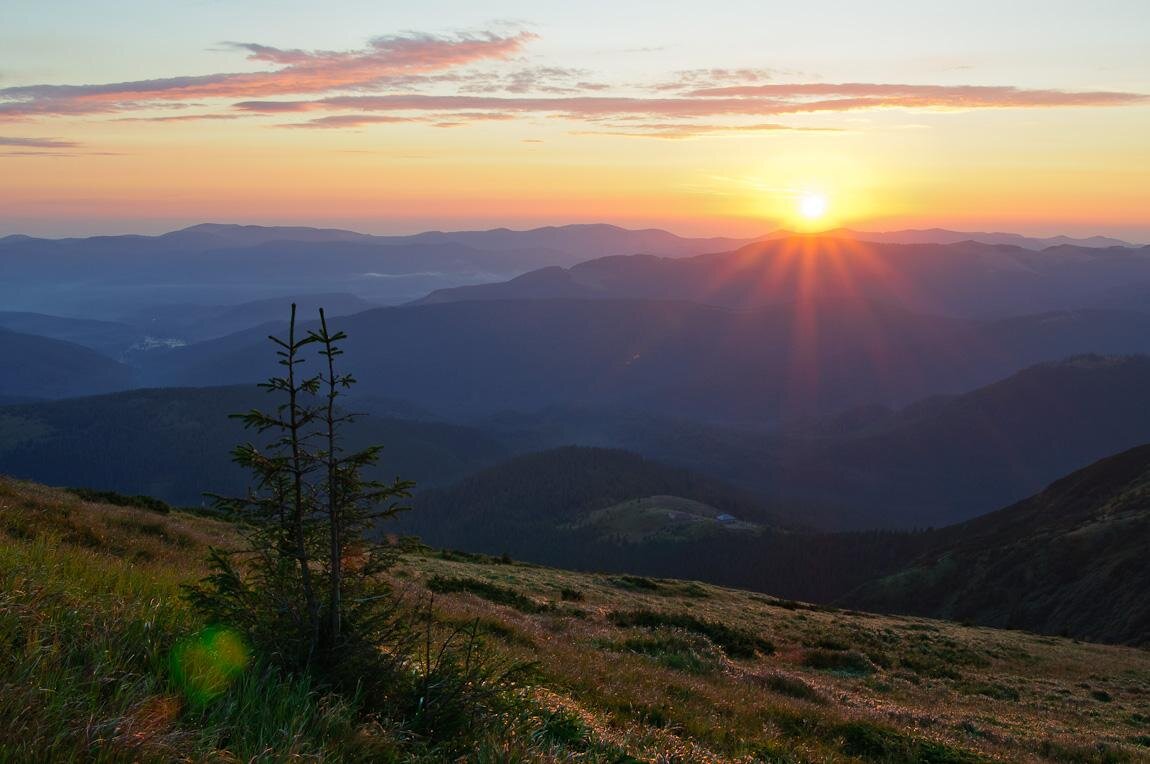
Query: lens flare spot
{"x": 206, "y": 664}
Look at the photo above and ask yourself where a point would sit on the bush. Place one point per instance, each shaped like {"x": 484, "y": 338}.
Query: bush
{"x": 636, "y": 583}
{"x": 571, "y": 595}
{"x": 676, "y": 650}
{"x": 850, "y": 662}
{"x": 792, "y": 687}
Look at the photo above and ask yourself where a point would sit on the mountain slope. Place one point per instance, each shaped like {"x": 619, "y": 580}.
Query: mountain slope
{"x": 42, "y": 367}
{"x": 947, "y": 459}
{"x": 1070, "y": 560}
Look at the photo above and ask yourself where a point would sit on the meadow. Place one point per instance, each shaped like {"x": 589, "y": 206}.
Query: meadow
{"x": 609, "y": 668}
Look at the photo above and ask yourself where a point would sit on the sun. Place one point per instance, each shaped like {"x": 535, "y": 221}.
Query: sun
{"x": 812, "y": 206}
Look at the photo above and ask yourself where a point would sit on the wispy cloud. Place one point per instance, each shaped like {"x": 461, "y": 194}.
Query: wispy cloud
{"x": 680, "y": 130}
{"x": 921, "y": 96}
{"x": 785, "y": 100}
{"x": 451, "y": 80}
{"x": 685, "y": 79}
{"x": 299, "y": 72}
{"x": 37, "y": 143}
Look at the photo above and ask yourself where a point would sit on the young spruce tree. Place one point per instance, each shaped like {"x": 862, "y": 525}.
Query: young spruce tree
{"x": 305, "y": 588}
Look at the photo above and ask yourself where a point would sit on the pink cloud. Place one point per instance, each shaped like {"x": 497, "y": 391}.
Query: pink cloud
{"x": 299, "y": 73}
{"x": 450, "y": 80}
{"x": 438, "y": 119}
{"x": 778, "y": 100}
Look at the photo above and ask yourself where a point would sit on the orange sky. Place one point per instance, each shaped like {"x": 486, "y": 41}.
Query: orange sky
{"x": 542, "y": 121}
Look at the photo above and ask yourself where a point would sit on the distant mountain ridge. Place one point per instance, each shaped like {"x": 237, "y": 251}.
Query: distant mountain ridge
{"x": 961, "y": 279}
{"x": 944, "y": 236}
{"x": 101, "y": 276}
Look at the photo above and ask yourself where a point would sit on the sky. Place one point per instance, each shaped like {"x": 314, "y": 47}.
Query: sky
{"x": 718, "y": 118}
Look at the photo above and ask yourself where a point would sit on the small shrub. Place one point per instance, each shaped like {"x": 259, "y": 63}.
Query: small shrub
{"x": 692, "y": 589}
{"x": 635, "y": 583}
{"x": 571, "y": 595}
{"x": 682, "y": 652}
{"x": 930, "y": 666}
{"x": 1102, "y": 696}
{"x": 792, "y": 687}
{"x": 847, "y": 662}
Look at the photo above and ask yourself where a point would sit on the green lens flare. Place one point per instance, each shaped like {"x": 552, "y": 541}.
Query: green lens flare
{"x": 205, "y": 664}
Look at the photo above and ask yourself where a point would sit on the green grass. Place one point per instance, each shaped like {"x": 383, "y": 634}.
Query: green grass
{"x": 91, "y": 617}
{"x": 85, "y": 671}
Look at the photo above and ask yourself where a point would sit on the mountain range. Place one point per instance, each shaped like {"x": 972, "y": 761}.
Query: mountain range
{"x": 824, "y": 417}
{"x": 750, "y": 367}
{"x": 944, "y": 236}
{"x": 108, "y": 276}
{"x": 963, "y": 279}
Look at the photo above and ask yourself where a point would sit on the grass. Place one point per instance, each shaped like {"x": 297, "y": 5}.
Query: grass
{"x": 737, "y": 643}
{"x": 90, "y": 617}
{"x": 500, "y": 595}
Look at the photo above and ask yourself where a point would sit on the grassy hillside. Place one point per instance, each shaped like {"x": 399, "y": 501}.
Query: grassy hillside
{"x": 629, "y": 669}
{"x": 1070, "y": 560}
